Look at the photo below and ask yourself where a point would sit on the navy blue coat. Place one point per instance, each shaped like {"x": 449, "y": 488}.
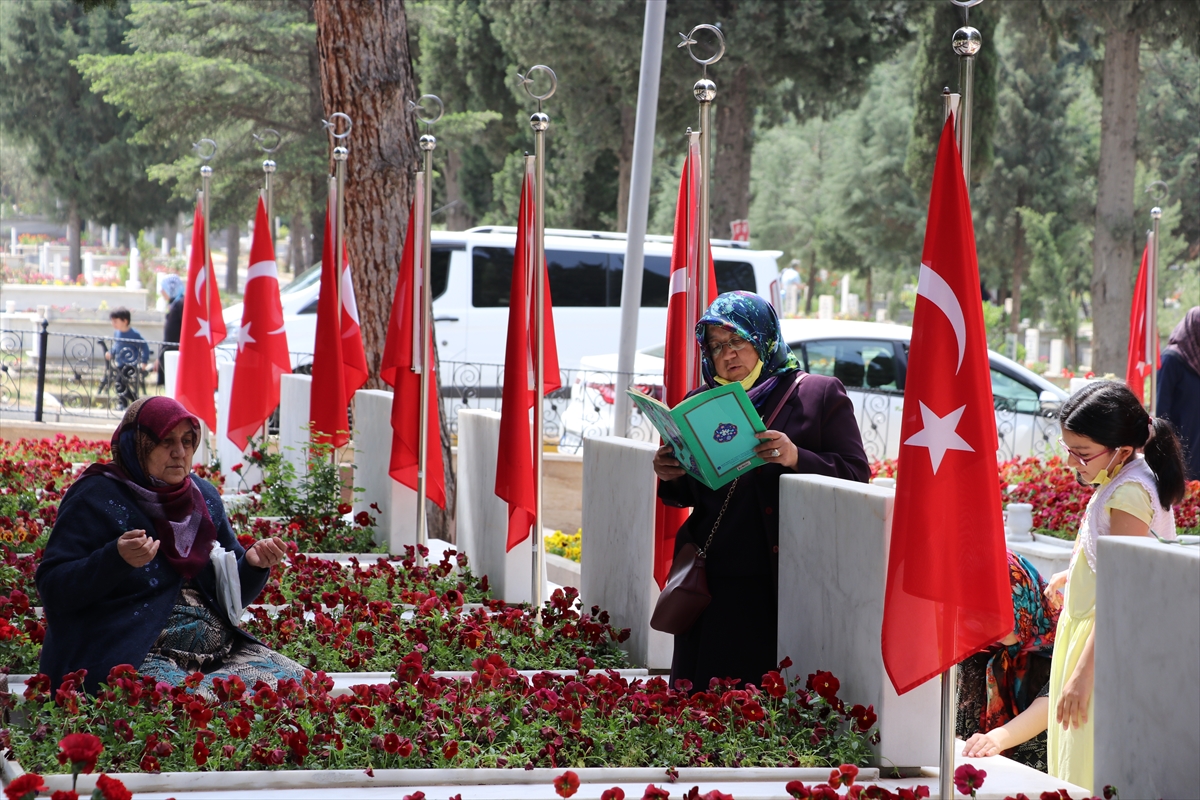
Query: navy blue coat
{"x": 100, "y": 611}
{"x": 1178, "y": 393}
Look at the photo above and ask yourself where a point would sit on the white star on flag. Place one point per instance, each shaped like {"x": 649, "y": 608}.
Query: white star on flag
{"x": 204, "y": 331}
{"x": 244, "y": 336}
{"x": 939, "y": 435}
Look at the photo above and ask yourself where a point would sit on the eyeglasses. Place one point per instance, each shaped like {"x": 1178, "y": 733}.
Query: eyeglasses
{"x": 735, "y": 344}
{"x": 1081, "y": 459}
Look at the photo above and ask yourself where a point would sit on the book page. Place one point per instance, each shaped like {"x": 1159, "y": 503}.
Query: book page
{"x": 725, "y": 432}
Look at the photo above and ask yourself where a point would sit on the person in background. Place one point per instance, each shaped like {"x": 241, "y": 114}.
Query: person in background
{"x": 1136, "y": 464}
{"x": 172, "y": 292}
{"x": 1179, "y": 387}
{"x": 1003, "y": 692}
{"x": 815, "y": 432}
{"x": 129, "y": 356}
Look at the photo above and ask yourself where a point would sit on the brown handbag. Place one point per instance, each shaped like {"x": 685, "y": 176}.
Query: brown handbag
{"x": 686, "y": 594}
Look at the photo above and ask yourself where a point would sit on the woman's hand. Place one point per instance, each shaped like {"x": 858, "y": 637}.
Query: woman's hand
{"x": 1054, "y": 588}
{"x": 266, "y": 553}
{"x": 777, "y": 448}
{"x": 137, "y": 548}
{"x": 1072, "y": 710}
{"x": 666, "y": 466}
{"x": 982, "y": 745}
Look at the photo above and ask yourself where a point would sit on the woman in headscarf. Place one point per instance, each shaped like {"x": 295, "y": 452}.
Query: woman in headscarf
{"x": 1003, "y": 692}
{"x": 814, "y": 431}
{"x": 127, "y": 576}
{"x": 1179, "y": 386}
{"x": 172, "y": 292}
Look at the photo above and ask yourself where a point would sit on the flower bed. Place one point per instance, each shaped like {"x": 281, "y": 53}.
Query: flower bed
{"x": 566, "y": 545}
{"x": 496, "y": 718}
{"x": 34, "y": 473}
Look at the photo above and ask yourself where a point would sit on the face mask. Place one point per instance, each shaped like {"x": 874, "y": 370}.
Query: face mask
{"x": 1103, "y": 476}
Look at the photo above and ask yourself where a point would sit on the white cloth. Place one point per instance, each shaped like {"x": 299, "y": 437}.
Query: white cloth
{"x": 1097, "y": 522}
{"x": 229, "y": 582}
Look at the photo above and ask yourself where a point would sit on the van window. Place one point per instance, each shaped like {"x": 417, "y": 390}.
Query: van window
{"x": 576, "y": 278}
{"x": 491, "y": 276}
{"x": 858, "y": 364}
{"x": 735, "y": 275}
{"x": 441, "y": 276}
{"x": 656, "y": 279}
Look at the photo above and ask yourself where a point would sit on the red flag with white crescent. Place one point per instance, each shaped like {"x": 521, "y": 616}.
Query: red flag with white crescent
{"x": 948, "y": 592}
{"x": 1136, "y": 368}
{"x": 681, "y": 358}
{"x": 262, "y": 342}
{"x": 202, "y": 328}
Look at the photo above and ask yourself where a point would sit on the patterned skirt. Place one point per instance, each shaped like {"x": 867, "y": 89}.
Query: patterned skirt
{"x": 196, "y": 639}
{"x": 972, "y": 697}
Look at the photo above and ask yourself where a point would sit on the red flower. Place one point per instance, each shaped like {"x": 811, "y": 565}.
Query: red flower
{"x": 112, "y": 789}
{"x": 843, "y": 775}
{"x": 25, "y": 787}
{"x": 81, "y": 749}
{"x": 655, "y": 793}
{"x": 566, "y": 784}
{"x": 774, "y": 685}
{"x": 344, "y": 508}
{"x": 450, "y": 750}
{"x": 615, "y": 793}
{"x": 414, "y": 796}
{"x": 967, "y": 779}
{"x": 798, "y": 790}
{"x": 64, "y": 794}
{"x": 716, "y": 795}
{"x": 824, "y": 684}
{"x": 863, "y": 718}
{"x": 753, "y": 711}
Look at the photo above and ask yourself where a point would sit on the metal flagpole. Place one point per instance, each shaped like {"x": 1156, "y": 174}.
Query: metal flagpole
{"x": 206, "y": 155}
{"x": 966, "y": 43}
{"x": 268, "y": 171}
{"x": 1152, "y": 296}
{"x": 639, "y": 206}
{"x": 423, "y": 322}
{"x": 539, "y": 122}
{"x": 705, "y": 92}
{"x": 340, "y": 154}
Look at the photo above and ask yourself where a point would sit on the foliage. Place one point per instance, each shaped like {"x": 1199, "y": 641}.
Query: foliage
{"x": 495, "y": 718}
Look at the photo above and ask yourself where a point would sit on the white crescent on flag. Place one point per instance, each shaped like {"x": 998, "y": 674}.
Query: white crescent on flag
{"x": 263, "y": 269}
{"x": 933, "y": 287}
{"x": 348, "y": 302}
{"x": 201, "y": 277}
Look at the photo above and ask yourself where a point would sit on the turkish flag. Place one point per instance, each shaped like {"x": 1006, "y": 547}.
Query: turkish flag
{"x": 948, "y": 593}
{"x": 681, "y": 359}
{"x": 262, "y": 343}
{"x": 401, "y": 352}
{"x": 1136, "y": 368}
{"x": 339, "y": 367}
{"x": 516, "y": 482}
{"x": 203, "y": 327}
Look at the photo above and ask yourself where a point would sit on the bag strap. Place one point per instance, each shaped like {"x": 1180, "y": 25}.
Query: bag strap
{"x": 701, "y": 552}
{"x": 800, "y": 376}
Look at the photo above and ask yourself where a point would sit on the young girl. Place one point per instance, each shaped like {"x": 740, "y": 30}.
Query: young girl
{"x": 1103, "y": 429}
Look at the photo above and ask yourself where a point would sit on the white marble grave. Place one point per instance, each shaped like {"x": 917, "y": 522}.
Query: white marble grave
{"x": 833, "y": 550}
{"x": 482, "y": 516}
{"x": 396, "y": 519}
{"x": 617, "y": 559}
{"x": 1146, "y": 701}
{"x": 227, "y": 451}
{"x": 295, "y": 395}
{"x": 170, "y": 375}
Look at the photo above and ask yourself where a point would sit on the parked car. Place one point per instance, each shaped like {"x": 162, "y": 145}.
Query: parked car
{"x": 472, "y": 272}
{"x": 870, "y": 359}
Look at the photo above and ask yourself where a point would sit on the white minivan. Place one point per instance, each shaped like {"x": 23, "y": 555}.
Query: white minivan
{"x": 472, "y": 272}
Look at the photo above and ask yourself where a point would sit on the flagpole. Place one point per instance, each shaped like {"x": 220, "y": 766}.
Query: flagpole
{"x": 539, "y": 122}
{"x": 268, "y": 170}
{"x": 1152, "y": 297}
{"x": 705, "y": 92}
{"x": 423, "y": 325}
{"x": 206, "y": 155}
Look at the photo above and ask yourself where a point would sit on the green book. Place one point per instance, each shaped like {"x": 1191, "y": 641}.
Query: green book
{"x": 713, "y": 432}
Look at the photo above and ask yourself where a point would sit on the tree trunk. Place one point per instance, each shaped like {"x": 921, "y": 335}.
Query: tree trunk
{"x": 366, "y": 72}
{"x": 297, "y": 239}
{"x": 625, "y": 166}
{"x": 1112, "y": 244}
{"x": 458, "y": 216}
{"x": 75, "y": 267}
{"x": 233, "y": 254}
{"x": 812, "y": 281}
{"x": 731, "y": 167}
{"x": 316, "y": 247}
{"x": 869, "y": 311}
{"x": 1018, "y": 273}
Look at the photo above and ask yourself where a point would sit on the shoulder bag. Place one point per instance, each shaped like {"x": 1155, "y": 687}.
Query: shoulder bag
{"x": 686, "y": 594}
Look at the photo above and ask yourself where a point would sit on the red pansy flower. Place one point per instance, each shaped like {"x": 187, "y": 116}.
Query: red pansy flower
{"x": 566, "y": 784}
{"x": 967, "y": 779}
{"x": 81, "y": 749}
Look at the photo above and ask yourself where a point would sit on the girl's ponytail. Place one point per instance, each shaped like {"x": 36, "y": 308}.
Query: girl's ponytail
{"x": 1164, "y": 455}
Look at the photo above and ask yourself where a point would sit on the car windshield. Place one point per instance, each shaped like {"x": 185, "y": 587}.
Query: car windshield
{"x": 304, "y": 279}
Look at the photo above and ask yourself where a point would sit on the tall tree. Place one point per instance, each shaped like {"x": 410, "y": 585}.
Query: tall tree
{"x": 1123, "y": 26}
{"x": 80, "y": 143}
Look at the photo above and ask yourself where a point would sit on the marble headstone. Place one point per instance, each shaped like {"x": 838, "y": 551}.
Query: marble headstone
{"x": 295, "y": 394}
{"x": 396, "y": 519}
{"x": 1146, "y": 699}
{"x": 617, "y": 559}
{"x": 833, "y": 551}
{"x": 482, "y": 516}
{"x": 227, "y": 451}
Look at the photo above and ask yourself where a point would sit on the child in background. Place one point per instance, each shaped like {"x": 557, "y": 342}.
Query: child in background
{"x": 1104, "y": 428}
{"x": 129, "y": 356}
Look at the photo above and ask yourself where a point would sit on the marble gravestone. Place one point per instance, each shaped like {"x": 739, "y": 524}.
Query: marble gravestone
{"x": 617, "y": 559}
{"x": 833, "y": 551}
{"x": 170, "y": 375}
{"x": 227, "y": 451}
{"x": 1146, "y": 699}
{"x": 396, "y": 519}
{"x": 482, "y": 516}
{"x": 295, "y": 395}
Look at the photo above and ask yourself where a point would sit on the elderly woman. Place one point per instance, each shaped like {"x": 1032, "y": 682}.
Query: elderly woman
{"x": 813, "y": 432}
{"x": 127, "y": 575}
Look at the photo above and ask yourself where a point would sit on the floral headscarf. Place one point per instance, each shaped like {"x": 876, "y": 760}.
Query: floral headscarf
{"x": 754, "y": 319}
{"x": 1034, "y": 623}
